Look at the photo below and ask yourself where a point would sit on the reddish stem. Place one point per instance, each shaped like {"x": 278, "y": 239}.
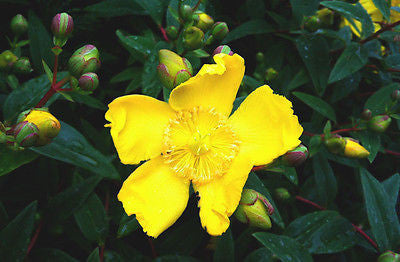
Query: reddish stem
{"x": 346, "y": 130}
{"x": 256, "y": 168}
{"x": 153, "y": 249}
{"x": 101, "y": 253}
{"x": 387, "y": 69}
{"x": 358, "y": 229}
{"x": 377, "y": 33}
{"x": 164, "y": 33}
{"x": 392, "y": 152}
{"x": 55, "y": 70}
{"x": 35, "y": 237}
{"x": 309, "y": 134}
{"x": 53, "y": 89}
{"x": 197, "y": 5}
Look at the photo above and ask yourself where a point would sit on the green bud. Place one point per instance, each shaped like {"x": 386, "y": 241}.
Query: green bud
{"x": 173, "y": 70}
{"x": 89, "y": 81}
{"x": 205, "y": 21}
{"x": 220, "y": 30}
{"x": 296, "y": 156}
{"x": 19, "y": 25}
{"x": 325, "y": 17}
{"x": 74, "y": 83}
{"x": 335, "y": 144}
{"x": 186, "y": 12}
{"x": 62, "y": 27}
{"x": 282, "y": 194}
{"x": 270, "y": 74}
{"x": 22, "y": 66}
{"x": 84, "y": 60}
{"x": 3, "y": 137}
{"x": 389, "y": 256}
{"x": 26, "y": 134}
{"x": 254, "y": 209}
{"x": 260, "y": 57}
{"x": 312, "y": 23}
{"x": 193, "y": 38}
{"x": 172, "y": 32}
{"x": 7, "y": 59}
{"x": 223, "y": 49}
{"x": 379, "y": 123}
{"x": 395, "y": 95}
{"x": 366, "y": 114}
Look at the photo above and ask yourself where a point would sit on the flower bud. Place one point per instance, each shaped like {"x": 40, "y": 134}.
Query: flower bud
{"x": 270, "y": 74}
{"x": 312, "y": 23}
{"x": 61, "y": 26}
{"x": 260, "y": 57}
{"x": 220, "y": 30}
{"x": 22, "y": 66}
{"x": 172, "y": 32}
{"x": 296, "y": 156}
{"x": 205, "y": 21}
{"x": 335, "y": 144}
{"x": 7, "y": 59}
{"x": 379, "y": 123}
{"x": 89, "y": 81}
{"x": 193, "y": 38}
{"x": 254, "y": 209}
{"x": 282, "y": 194}
{"x": 19, "y": 25}
{"x": 47, "y": 124}
{"x": 395, "y": 95}
{"x": 389, "y": 256}
{"x": 223, "y": 49}
{"x": 173, "y": 70}
{"x": 353, "y": 149}
{"x": 186, "y": 12}
{"x": 26, "y": 134}
{"x": 366, "y": 114}
{"x": 325, "y": 17}
{"x": 84, "y": 60}
{"x": 3, "y": 137}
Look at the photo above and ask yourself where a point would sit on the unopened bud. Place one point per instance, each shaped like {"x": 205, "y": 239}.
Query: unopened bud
{"x": 186, "y": 12}
{"x": 325, "y": 16}
{"x": 282, "y": 194}
{"x": 19, "y": 25}
{"x": 89, "y": 81}
{"x": 173, "y": 70}
{"x": 7, "y": 59}
{"x": 26, "y": 134}
{"x": 271, "y": 74}
{"x": 353, "y": 149}
{"x": 205, "y": 21}
{"x": 3, "y": 137}
{"x": 389, "y": 256}
{"x": 223, "y": 49}
{"x": 84, "y": 60}
{"x": 296, "y": 156}
{"x": 312, "y": 23}
{"x": 172, "y": 32}
{"x": 254, "y": 209}
{"x": 335, "y": 144}
{"x": 260, "y": 57}
{"x": 61, "y": 26}
{"x": 220, "y": 30}
{"x": 395, "y": 95}
{"x": 366, "y": 114}
{"x": 379, "y": 123}
{"x": 193, "y": 38}
{"x": 22, "y": 66}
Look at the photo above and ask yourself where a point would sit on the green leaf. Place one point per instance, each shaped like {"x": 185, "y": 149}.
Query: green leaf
{"x": 199, "y": 53}
{"x": 260, "y": 255}
{"x": 383, "y": 7}
{"x": 322, "y": 232}
{"x": 63, "y": 205}
{"x": 155, "y": 8}
{"x": 15, "y": 237}
{"x": 378, "y": 102}
{"x": 71, "y": 147}
{"x": 252, "y": 27}
{"x": 40, "y": 43}
{"x": 350, "y": 11}
{"x": 315, "y": 54}
{"x": 92, "y": 219}
{"x": 381, "y": 213}
{"x": 12, "y": 81}
{"x": 392, "y": 187}
{"x": 324, "y": 179}
{"x": 225, "y": 248}
{"x": 136, "y": 44}
{"x": 48, "y": 71}
{"x": 52, "y": 255}
{"x": 317, "y": 104}
{"x": 175, "y": 258}
{"x": 315, "y": 145}
{"x": 291, "y": 174}
{"x": 94, "y": 256}
{"x": 283, "y": 247}
{"x": 87, "y": 100}
{"x": 128, "y": 225}
{"x": 253, "y": 182}
{"x": 301, "y": 8}
{"x": 11, "y": 160}
{"x": 370, "y": 141}
{"x": 298, "y": 80}
{"x": 353, "y": 58}
{"x": 115, "y": 8}
{"x": 126, "y": 75}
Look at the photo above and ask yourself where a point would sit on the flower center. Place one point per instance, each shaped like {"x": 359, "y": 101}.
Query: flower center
{"x": 200, "y": 145}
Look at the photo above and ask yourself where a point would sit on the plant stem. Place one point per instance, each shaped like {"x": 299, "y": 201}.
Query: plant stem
{"x": 153, "y": 250}
{"x": 354, "y": 128}
{"x": 164, "y": 34}
{"x": 197, "y": 5}
{"x": 380, "y": 31}
{"x": 392, "y": 152}
{"x": 52, "y": 91}
{"x": 35, "y": 237}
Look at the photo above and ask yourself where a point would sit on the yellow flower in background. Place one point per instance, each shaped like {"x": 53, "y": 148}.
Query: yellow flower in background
{"x": 193, "y": 139}
{"x": 375, "y": 14}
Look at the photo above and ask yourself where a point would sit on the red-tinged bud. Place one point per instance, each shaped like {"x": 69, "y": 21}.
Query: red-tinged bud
{"x": 89, "y": 82}
{"x": 7, "y": 59}
{"x": 19, "y": 25}
{"x": 296, "y": 156}
{"x": 62, "y": 27}
{"x": 84, "y": 60}
{"x": 205, "y": 21}
{"x": 395, "y": 95}
{"x": 219, "y": 30}
{"x": 172, "y": 32}
{"x": 379, "y": 123}
{"x": 22, "y": 66}
{"x": 254, "y": 209}
{"x": 26, "y": 134}
{"x": 389, "y": 256}
{"x": 366, "y": 114}
{"x": 223, "y": 49}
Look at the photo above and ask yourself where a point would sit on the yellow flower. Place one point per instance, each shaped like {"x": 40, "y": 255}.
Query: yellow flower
{"x": 375, "y": 14}
{"x": 194, "y": 139}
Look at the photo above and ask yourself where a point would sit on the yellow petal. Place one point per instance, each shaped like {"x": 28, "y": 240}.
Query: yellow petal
{"x": 137, "y": 126}
{"x": 220, "y": 197}
{"x": 155, "y": 195}
{"x": 266, "y": 126}
{"x": 371, "y": 9}
{"x": 215, "y": 86}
